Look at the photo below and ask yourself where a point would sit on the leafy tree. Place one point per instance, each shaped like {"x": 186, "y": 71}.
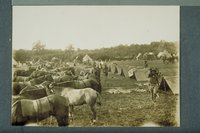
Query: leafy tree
{"x": 22, "y": 55}
{"x": 69, "y": 51}
{"x": 38, "y": 47}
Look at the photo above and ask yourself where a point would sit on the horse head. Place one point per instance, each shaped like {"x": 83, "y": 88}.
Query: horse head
{"x": 48, "y": 77}
{"x": 95, "y": 84}
{"x": 50, "y": 87}
{"x": 60, "y": 109}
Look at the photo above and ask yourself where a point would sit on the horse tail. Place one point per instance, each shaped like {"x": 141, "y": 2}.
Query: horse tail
{"x": 98, "y": 99}
{"x": 16, "y": 101}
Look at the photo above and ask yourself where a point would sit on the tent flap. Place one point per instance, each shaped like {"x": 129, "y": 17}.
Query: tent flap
{"x": 169, "y": 84}
{"x": 142, "y": 74}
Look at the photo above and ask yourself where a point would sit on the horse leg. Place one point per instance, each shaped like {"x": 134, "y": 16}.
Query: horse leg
{"x": 93, "y": 119}
{"x": 71, "y": 110}
{"x": 156, "y": 92}
{"x": 152, "y": 93}
{"x": 50, "y": 120}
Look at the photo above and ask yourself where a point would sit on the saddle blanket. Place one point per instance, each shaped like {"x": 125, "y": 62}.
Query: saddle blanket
{"x": 35, "y": 107}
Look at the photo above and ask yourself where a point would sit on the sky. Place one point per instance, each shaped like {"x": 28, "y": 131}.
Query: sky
{"x": 91, "y": 27}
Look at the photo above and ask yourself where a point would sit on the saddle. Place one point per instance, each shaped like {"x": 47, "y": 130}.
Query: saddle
{"x": 29, "y": 108}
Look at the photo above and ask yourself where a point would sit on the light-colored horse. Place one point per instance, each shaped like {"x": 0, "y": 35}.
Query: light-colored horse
{"x": 78, "y": 97}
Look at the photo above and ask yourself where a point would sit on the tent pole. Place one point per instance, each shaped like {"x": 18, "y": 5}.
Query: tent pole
{"x": 164, "y": 84}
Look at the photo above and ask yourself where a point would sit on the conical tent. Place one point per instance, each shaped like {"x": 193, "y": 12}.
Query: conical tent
{"x": 87, "y": 59}
{"x": 164, "y": 53}
{"x": 149, "y": 56}
{"x": 116, "y": 71}
{"x": 122, "y": 72}
{"x": 139, "y": 74}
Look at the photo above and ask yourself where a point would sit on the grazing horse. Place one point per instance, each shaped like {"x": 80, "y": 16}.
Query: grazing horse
{"x": 25, "y": 111}
{"x": 154, "y": 76}
{"x": 79, "y": 84}
{"x": 78, "y": 97}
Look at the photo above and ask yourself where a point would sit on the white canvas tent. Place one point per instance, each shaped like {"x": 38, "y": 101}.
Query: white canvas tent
{"x": 54, "y": 59}
{"x": 14, "y": 62}
{"x": 149, "y": 56}
{"x": 87, "y": 59}
{"x": 139, "y": 74}
{"x": 138, "y": 56}
{"x": 164, "y": 53}
{"x": 170, "y": 84}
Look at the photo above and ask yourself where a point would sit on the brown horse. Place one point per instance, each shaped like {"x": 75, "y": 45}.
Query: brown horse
{"x": 21, "y": 79}
{"x": 32, "y": 94}
{"x": 17, "y": 87}
{"x": 23, "y": 72}
{"x": 37, "y": 74}
{"x": 40, "y": 79}
{"x": 64, "y": 78}
{"x": 33, "y": 87}
{"x": 80, "y": 84}
{"x": 25, "y": 111}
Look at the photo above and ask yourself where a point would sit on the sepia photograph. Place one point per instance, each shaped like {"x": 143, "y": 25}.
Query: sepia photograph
{"x": 96, "y": 66}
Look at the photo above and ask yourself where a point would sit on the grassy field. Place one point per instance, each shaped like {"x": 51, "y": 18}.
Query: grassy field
{"x": 129, "y": 109}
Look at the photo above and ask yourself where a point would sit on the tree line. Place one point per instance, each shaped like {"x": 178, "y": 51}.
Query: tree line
{"x": 120, "y": 52}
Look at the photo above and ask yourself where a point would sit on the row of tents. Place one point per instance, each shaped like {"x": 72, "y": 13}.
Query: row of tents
{"x": 152, "y": 56}
{"x": 145, "y": 56}
{"x": 168, "y": 84}
{"x": 89, "y": 60}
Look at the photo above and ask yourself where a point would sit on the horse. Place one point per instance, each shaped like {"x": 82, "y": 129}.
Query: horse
{"x": 23, "y": 72}
{"x": 17, "y": 87}
{"x": 95, "y": 73}
{"x": 105, "y": 70}
{"x": 32, "y": 94}
{"x": 20, "y": 78}
{"x": 63, "y": 78}
{"x": 167, "y": 60}
{"x": 79, "y": 84}
{"x": 40, "y": 79}
{"x": 154, "y": 76}
{"x": 25, "y": 111}
{"x": 38, "y": 73}
{"x": 78, "y": 97}
{"x": 32, "y": 87}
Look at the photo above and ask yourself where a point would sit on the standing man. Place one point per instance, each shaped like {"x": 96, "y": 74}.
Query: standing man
{"x": 154, "y": 83}
{"x": 145, "y": 64}
{"x": 105, "y": 70}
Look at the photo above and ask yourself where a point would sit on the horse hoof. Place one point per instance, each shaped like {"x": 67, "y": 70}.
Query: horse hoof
{"x": 93, "y": 122}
